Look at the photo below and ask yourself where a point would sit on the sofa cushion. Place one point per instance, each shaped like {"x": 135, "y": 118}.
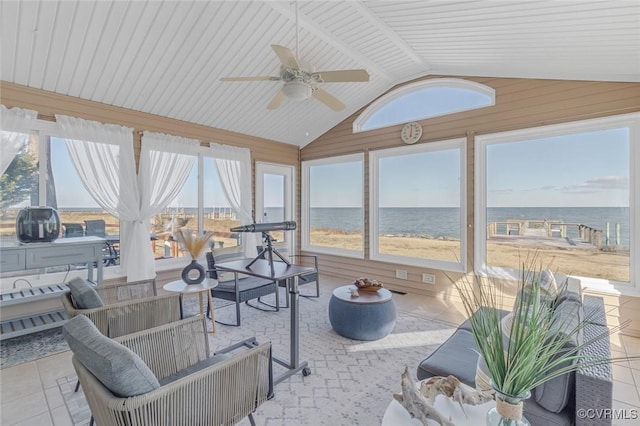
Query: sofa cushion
{"x": 554, "y": 394}
{"x": 538, "y": 415}
{"x": 457, "y": 356}
{"x": 117, "y": 367}
{"x": 84, "y": 295}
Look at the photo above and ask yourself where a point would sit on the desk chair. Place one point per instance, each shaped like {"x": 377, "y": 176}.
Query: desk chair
{"x": 248, "y": 288}
{"x": 297, "y": 259}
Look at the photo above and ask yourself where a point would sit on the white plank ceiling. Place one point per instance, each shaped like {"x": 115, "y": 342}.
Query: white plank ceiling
{"x": 167, "y": 58}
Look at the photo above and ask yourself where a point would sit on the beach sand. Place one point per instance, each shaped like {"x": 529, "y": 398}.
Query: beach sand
{"x": 576, "y": 261}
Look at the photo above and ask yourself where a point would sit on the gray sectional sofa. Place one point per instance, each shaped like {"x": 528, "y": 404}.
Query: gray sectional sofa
{"x": 557, "y": 401}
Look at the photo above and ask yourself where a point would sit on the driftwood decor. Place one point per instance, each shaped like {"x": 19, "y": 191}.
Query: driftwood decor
{"x": 420, "y": 402}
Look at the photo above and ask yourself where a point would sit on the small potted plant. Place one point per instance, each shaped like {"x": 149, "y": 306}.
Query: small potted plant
{"x": 194, "y": 272}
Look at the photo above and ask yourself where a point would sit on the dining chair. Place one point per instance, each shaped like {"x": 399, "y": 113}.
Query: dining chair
{"x": 98, "y": 228}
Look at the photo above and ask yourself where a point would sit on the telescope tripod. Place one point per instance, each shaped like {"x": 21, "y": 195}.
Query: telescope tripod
{"x": 269, "y": 251}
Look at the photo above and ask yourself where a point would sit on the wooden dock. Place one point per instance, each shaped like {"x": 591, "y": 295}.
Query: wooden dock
{"x": 545, "y": 233}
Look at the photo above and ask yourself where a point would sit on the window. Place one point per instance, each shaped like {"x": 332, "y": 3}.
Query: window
{"x": 42, "y": 174}
{"x": 66, "y": 192}
{"x": 201, "y": 205}
{"x": 19, "y": 182}
{"x": 424, "y": 99}
{"x": 417, "y": 205}
{"x": 565, "y": 192}
{"x": 332, "y": 205}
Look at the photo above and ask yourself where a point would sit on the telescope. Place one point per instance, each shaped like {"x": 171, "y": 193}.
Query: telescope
{"x": 268, "y": 251}
{"x": 266, "y": 227}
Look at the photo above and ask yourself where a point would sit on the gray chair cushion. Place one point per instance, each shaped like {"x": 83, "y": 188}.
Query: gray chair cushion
{"x": 117, "y": 367}
{"x": 195, "y": 368}
{"x": 84, "y": 295}
{"x": 554, "y": 394}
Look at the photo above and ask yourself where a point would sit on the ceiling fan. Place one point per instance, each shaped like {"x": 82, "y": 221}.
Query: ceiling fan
{"x": 300, "y": 84}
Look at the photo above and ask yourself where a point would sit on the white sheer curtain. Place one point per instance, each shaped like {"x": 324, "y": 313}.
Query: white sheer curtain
{"x": 165, "y": 163}
{"x": 16, "y": 123}
{"x": 234, "y": 169}
{"x": 103, "y": 157}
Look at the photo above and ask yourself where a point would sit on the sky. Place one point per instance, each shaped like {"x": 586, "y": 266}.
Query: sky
{"x": 580, "y": 170}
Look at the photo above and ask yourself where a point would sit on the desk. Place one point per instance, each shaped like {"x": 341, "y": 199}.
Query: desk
{"x": 282, "y": 271}
{"x": 183, "y": 288}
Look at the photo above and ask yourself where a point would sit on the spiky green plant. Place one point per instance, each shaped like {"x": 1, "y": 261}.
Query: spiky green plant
{"x": 532, "y": 354}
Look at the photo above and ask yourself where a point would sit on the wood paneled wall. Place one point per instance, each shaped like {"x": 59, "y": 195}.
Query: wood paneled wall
{"x": 520, "y": 103}
{"x": 48, "y": 104}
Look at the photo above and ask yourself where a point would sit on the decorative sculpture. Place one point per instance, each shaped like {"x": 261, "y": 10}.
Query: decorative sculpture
{"x": 420, "y": 402}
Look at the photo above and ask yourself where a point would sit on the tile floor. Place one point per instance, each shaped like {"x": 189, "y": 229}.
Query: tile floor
{"x": 30, "y": 394}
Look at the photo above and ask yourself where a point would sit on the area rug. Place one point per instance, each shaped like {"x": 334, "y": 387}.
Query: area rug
{"x": 351, "y": 383}
{"x": 31, "y": 347}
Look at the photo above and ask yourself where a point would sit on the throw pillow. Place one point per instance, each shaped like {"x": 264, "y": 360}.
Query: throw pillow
{"x": 117, "y": 367}
{"x": 554, "y": 394}
{"x": 548, "y": 284}
{"x": 84, "y": 295}
{"x": 482, "y": 376}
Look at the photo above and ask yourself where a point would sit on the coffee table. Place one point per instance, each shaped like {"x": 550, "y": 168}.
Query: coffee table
{"x": 370, "y": 316}
{"x": 183, "y": 288}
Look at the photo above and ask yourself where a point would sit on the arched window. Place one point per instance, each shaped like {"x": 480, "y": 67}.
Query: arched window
{"x": 424, "y": 99}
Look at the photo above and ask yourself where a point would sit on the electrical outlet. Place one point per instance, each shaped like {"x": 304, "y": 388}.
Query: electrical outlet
{"x": 428, "y": 278}
{"x": 401, "y": 274}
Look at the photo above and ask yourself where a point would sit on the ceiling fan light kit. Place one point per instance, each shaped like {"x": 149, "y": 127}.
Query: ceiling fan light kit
{"x": 297, "y": 90}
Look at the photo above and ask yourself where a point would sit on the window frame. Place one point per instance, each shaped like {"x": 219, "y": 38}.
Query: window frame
{"x": 305, "y": 207}
{"x": 374, "y": 157}
{"x": 419, "y": 85}
{"x": 632, "y": 121}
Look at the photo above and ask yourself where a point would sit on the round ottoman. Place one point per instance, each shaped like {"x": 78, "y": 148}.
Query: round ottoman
{"x": 370, "y": 316}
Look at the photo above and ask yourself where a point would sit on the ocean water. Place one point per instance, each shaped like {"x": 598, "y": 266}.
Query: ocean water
{"x": 444, "y": 222}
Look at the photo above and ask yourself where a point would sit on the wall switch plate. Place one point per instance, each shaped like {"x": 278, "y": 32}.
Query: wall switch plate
{"x": 428, "y": 278}
{"x": 401, "y": 274}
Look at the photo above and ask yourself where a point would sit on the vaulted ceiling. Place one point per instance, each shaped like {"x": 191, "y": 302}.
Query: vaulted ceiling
{"x": 167, "y": 58}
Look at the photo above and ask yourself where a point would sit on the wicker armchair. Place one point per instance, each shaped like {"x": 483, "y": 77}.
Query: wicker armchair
{"x": 129, "y": 307}
{"x": 194, "y": 388}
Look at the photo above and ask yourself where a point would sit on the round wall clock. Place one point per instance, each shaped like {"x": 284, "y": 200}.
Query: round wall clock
{"x": 411, "y": 132}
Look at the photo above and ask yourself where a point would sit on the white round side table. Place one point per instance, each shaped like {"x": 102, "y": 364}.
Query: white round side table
{"x": 183, "y": 288}
{"x": 397, "y": 415}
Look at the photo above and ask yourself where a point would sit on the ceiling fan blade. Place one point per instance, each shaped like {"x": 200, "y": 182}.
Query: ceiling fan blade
{"x": 286, "y": 56}
{"x": 328, "y": 99}
{"x": 343, "y": 76}
{"x": 267, "y": 78}
{"x": 277, "y": 100}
